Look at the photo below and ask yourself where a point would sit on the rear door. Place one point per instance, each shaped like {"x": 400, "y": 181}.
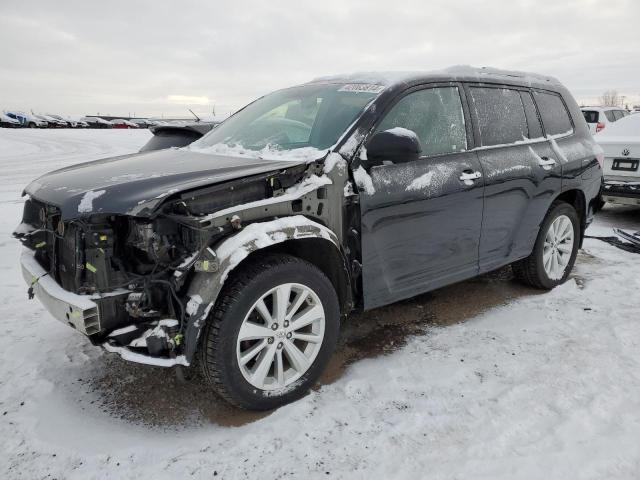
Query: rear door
{"x": 421, "y": 220}
{"x": 520, "y": 168}
{"x": 575, "y": 155}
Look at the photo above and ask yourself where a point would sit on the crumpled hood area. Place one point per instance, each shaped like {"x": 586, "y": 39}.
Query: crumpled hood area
{"x": 136, "y": 184}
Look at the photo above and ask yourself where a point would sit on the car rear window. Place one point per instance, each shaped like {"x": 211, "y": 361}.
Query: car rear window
{"x": 591, "y": 116}
{"x": 555, "y": 117}
{"x": 618, "y": 114}
{"x": 500, "y": 115}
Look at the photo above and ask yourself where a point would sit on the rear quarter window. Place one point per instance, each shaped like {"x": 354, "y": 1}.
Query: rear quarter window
{"x": 500, "y": 115}
{"x": 555, "y": 116}
{"x": 591, "y": 116}
{"x": 610, "y": 116}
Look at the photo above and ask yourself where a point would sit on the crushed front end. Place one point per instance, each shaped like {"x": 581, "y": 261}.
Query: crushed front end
{"x": 123, "y": 280}
{"x": 111, "y": 277}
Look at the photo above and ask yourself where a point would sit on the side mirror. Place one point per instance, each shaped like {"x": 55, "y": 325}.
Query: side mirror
{"x": 397, "y": 145}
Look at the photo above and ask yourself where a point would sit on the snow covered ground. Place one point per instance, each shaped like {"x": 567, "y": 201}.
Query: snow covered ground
{"x": 544, "y": 386}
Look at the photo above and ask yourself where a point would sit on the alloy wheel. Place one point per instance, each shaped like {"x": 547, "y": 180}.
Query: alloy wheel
{"x": 281, "y": 336}
{"x": 558, "y": 247}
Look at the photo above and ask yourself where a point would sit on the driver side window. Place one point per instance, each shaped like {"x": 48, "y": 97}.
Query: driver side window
{"x": 435, "y": 115}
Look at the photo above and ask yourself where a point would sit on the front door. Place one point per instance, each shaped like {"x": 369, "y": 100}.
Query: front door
{"x": 421, "y": 219}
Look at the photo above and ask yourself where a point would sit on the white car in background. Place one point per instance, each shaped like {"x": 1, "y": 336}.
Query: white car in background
{"x": 68, "y": 122}
{"x": 621, "y": 144}
{"x": 51, "y": 122}
{"x": 27, "y": 120}
{"x": 599, "y": 117}
{"x": 8, "y": 122}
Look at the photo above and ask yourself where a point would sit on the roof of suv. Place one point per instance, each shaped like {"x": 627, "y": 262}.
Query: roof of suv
{"x": 456, "y": 73}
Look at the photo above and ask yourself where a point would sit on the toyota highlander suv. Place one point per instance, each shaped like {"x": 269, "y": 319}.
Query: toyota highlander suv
{"x": 243, "y": 251}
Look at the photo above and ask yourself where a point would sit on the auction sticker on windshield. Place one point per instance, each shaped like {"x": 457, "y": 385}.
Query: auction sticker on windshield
{"x": 361, "y": 87}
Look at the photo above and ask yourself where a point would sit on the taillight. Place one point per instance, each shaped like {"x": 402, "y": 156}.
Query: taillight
{"x": 599, "y": 126}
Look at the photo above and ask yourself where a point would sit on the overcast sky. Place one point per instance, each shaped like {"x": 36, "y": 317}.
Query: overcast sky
{"x": 162, "y": 57}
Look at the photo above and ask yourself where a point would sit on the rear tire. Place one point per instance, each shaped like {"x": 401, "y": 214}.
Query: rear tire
{"x": 252, "y": 352}
{"x": 555, "y": 250}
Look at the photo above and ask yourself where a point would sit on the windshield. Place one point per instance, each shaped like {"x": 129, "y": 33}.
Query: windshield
{"x": 309, "y": 117}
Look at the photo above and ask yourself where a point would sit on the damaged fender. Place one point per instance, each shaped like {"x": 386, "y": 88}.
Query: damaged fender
{"x": 206, "y": 286}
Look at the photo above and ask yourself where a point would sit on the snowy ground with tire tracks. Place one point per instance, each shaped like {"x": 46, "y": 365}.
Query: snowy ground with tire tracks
{"x": 518, "y": 384}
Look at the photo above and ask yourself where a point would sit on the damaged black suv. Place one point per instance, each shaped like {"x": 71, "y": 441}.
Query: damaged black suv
{"x": 245, "y": 249}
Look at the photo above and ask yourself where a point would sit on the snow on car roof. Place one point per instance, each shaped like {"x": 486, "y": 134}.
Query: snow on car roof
{"x": 457, "y": 72}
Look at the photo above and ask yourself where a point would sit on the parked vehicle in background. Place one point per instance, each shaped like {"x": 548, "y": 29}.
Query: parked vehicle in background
{"x": 122, "y": 123}
{"x": 43, "y": 119}
{"x": 97, "y": 122}
{"x": 247, "y": 247}
{"x": 155, "y": 122}
{"x": 141, "y": 122}
{"x": 52, "y": 122}
{"x": 27, "y": 120}
{"x": 68, "y": 122}
{"x": 599, "y": 117}
{"x": 179, "y": 135}
{"x": 8, "y": 122}
{"x": 621, "y": 145}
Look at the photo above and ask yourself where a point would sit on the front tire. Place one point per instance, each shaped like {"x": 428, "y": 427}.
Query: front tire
{"x": 555, "y": 250}
{"x": 271, "y": 334}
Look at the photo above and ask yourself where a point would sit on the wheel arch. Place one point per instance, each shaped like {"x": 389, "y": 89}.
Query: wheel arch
{"x": 576, "y": 198}
{"x": 296, "y": 236}
{"x": 321, "y": 253}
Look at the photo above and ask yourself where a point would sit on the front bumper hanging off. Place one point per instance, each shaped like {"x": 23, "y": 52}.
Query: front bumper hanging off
{"x": 77, "y": 311}
{"x": 80, "y": 312}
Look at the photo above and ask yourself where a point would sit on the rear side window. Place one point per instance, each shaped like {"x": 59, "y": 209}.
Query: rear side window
{"x": 500, "y": 115}
{"x": 618, "y": 114}
{"x": 436, "y": 117}
{"x": 610, "y": 116}
{"x": 555, "y": 117}
{"x": 533, "y": 121}
{"x": 591, "y": 116}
